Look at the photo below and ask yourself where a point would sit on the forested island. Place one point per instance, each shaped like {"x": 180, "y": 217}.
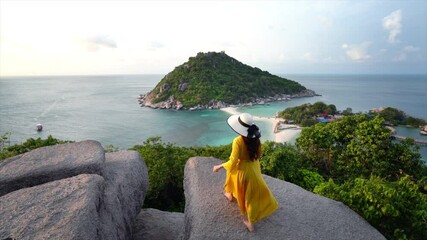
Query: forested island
{"x": 215, "y": 80}
{"x": 309, "y": 114}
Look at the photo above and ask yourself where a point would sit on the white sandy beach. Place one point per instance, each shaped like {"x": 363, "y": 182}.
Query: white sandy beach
{"x": 280, "y": 136}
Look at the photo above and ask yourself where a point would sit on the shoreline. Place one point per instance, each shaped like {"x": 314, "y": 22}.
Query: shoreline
{"x": 281, "y": 136}
{"x": 145, "y": 100}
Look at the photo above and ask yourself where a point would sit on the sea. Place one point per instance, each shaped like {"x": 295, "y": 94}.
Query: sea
{"x": 106, "y": 109}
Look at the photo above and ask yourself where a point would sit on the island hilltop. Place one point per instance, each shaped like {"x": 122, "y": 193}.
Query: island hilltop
{"x": 215, "y": 80}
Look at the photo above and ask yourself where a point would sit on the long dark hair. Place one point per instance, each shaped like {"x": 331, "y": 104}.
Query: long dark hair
{"x": 253, "y": 144}
{"x": 254, "y": 147}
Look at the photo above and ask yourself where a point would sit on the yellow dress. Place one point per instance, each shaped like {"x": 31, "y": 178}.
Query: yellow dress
{"x": 245, "y": 182}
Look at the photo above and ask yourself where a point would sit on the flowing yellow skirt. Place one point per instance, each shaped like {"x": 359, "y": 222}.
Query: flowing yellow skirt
{"x": 247, "y": 185}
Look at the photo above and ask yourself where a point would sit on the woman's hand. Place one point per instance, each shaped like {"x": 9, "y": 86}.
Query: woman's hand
{"x": 216, "y": 168}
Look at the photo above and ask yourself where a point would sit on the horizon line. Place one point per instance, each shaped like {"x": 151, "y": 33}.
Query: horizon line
{"x": 135, "y": 74}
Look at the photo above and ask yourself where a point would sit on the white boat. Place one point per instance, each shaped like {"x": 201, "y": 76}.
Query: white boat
{"x": 423, "y": 130}
{"x": 39, "y": 127}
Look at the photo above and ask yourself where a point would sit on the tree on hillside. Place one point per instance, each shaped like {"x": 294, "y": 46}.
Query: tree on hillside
{"x": 397, "y": 208}
{"x": 283, "y": 161}
{"x": 397, "y": 117}
{"x": 357, "y": 146}
{"x": 306, "y": 114}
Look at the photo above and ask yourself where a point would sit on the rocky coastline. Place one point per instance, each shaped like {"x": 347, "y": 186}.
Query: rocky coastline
{"x": 175, "y": 104}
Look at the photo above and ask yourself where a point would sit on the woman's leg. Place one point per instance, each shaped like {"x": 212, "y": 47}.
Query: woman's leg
{"x": 228, "y": 196}
{"x": 248, "y": 224}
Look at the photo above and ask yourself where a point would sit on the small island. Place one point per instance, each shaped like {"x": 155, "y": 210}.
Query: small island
{"x": 214, "y": 80}
{"x": 287, "y": 124}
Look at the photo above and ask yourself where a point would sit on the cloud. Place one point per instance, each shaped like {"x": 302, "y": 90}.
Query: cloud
{"x": 316, "y": 58}
{"x": 392, "y": 23}
{"x": 309, "y": 57}
{"x": 357, "y": 52}
{"x": 156, "y": 45}
{"x": 411, "y": 49}
{"x": 400, "y": 58}
{"x": 324, "y": 21}
{"x": 95, "y": 43}
{"x": 227, "y": 44}
{"x": 406, "y": 53}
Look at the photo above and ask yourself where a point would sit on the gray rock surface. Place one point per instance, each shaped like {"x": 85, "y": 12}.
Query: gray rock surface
{"x": 154, "y": 224}
{"x": 126, "y": 177}
{"x": 34, "y": 213}
{"x": 302, "y": 214}
{"x": 51, "y": 163}
{"x": 54, "y": 197}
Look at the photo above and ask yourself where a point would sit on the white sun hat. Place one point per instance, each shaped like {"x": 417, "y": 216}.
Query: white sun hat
{"x": 240, "y": 123}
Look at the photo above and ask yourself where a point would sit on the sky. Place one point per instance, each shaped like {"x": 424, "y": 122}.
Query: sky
{"x": 153, "y": 37}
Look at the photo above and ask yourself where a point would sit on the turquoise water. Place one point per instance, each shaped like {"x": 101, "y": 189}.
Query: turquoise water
{"x": 105, "y": 108}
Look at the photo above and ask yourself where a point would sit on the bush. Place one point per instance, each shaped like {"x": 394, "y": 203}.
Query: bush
{"x": 305, "y": 114}
{"x": 283, "y": 161}
{"x": 357, "y": 146}
{"x": 165, "y": 163}
{"x": 307, "y": 122}
{"x": 398, "y": 209}
{"x": 311, "y": 179}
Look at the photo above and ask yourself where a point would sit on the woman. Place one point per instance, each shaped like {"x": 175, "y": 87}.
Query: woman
{"x": 243, "y": 179}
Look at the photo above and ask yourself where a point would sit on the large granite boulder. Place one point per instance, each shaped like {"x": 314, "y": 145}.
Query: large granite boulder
{"x": 51, "y": 163}
{"x": 62, "y": 209}
{"x": 126, "y": 179}
{"x": 302, "y": 214}
{"x": 71, "y": 191}
{"x": 154, "y": 224}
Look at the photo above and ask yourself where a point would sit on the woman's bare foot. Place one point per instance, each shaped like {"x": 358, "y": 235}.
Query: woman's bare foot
{"x": 228, "y": 196}
{"x": 249, "y": 225}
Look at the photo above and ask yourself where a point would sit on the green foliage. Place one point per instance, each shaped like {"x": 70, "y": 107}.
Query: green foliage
{"x": 393, "y": 115}
{"x": 306, "y": 114}
{"x": 414, "y": 122}
{"x": 111, "y": 148}
{"x": 397, "y": 117}
{"x": 310, "y": 179}
{"x": 357, "y": 146}
{"x": 4, "y": 140}
{"x": 165, "y": 163}
{"x": 398, "y": 209}
{"x": 307, "y": 122}
{"x": 216, "y": 76}
{"x": 348, "y": 111}
{"x": 29, "y": 145}
{"x": 283, "y": 161}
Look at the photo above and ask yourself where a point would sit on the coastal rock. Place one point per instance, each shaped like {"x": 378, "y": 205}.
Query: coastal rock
{"x": 179, "y": 105}
{"x": 63, "y": 209}
{"x": 302, "y": 214}
{"x": 172, "y": 103}
{"x": 154, "y": 224}
{"x": 50, "y": 163}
